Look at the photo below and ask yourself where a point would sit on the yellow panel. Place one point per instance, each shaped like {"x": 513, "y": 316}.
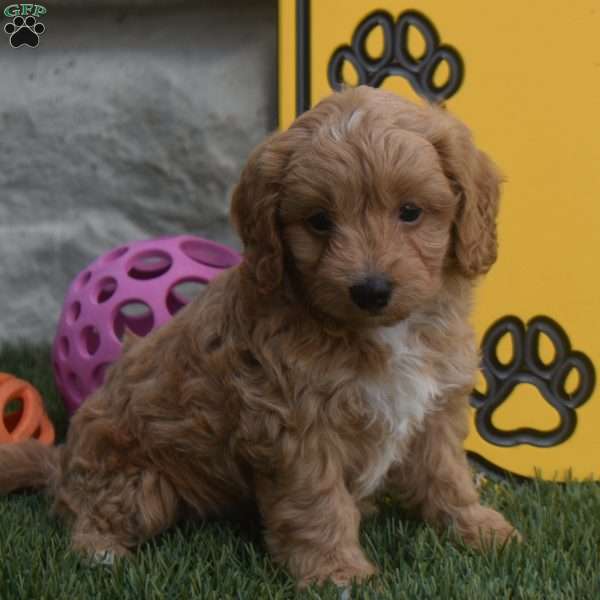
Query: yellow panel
{"x": 530, "y": 91}
{"x": 541, "y": 416}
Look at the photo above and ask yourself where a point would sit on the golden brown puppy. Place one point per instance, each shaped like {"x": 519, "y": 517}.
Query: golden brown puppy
{"x": 335, "y": 362}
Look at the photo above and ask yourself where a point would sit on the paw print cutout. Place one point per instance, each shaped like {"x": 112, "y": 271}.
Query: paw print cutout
{"x": 396, "y": 58}
{"x": 527, "y": 366}
{"x": 24, "y": 32}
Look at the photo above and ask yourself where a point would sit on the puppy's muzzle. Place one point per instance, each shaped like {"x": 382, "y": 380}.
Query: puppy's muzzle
{"x": 373, "y": 293}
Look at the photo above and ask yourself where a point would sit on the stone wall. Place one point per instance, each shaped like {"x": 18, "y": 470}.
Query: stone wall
{"x": 128, "y": 121}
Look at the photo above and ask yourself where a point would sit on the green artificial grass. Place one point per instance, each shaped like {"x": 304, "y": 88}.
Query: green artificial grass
{"x": 222, "y": 560}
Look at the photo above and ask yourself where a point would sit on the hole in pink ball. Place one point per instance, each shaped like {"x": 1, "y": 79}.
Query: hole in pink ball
{"x": 75, "y": 385}
{"x": 106, "y": 289}
{"x": 73, "y": 312}
{"x": 210, "y": 254}
{"x": 116, "y": 253}
{"x": 182, "y": 293}
{"x": 136, "y": 316}
{"x": 99, "y": 373}
{"x": 90, "y": 339}
{"x": 63, "y": 347}
{"x": 149, "y": 264}
{"x": 84, "y": 279}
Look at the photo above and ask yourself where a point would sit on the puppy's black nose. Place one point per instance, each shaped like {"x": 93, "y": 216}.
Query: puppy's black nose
{"x": 372, "y": 293}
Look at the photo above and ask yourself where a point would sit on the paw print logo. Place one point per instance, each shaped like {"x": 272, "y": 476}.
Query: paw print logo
{"x": 527, "y": 366}
{"x": 24, "y": 31}
{"x": 397, "y": 59}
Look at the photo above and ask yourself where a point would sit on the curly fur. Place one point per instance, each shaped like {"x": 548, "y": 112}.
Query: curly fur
{"x": 274, "y": 387}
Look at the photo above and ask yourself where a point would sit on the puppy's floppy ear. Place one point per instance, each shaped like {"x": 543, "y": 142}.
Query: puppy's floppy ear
{"x": 255, "y": 206}
{"x": 476, "y": 180}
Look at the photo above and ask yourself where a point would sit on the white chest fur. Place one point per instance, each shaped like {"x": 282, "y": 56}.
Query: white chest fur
{"x": 400, "y": 398}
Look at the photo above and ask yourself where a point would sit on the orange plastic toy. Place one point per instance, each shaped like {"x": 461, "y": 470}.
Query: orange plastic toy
{"x": 29, "y": 420}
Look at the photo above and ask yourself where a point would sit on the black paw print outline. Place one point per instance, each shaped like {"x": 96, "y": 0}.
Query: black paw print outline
{"x": 526, "y": 366}
{"x": 24, "y": 31}
{"x": 396, "y": 59}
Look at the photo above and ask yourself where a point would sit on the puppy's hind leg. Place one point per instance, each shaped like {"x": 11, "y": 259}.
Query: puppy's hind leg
{"x": 129, "y": 510}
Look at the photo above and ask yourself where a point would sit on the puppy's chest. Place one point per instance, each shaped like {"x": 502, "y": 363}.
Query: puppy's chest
{"x": 396, "y": 402}
{"x": 404, "y": 391}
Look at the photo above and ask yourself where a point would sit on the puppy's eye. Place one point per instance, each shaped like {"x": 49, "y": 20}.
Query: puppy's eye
{"x": 320, "y": 222}
{"x": 409, "y": 213}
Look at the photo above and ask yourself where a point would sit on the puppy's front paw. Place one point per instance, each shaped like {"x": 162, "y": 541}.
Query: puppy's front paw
{"x": 98, "y": 550}
{"x": 481, "y": 528}
{"x": 341, "y": 569}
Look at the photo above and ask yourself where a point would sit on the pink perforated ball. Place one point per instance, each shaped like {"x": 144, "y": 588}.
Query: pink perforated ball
{"x": 138, "y": 286}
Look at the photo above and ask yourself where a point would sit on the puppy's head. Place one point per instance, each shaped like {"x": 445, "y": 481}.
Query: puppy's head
{"x": 366, "y": 203}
